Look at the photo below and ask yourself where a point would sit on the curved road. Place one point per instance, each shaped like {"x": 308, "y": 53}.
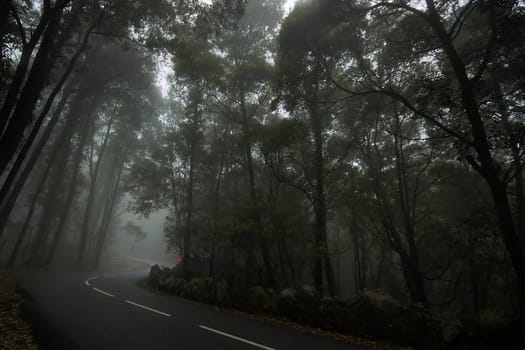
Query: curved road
{"x": 89, "y": 311}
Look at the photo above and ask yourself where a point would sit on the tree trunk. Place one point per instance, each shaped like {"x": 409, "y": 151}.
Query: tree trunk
{"x": 59, "y": 152}
{"x": 188, "y": 227}
{"x": 396, "y": 241}
{"x": 215, "y": 217}
{"x": 410, "y": 257}
{"x": 49, "y": 212}
{"x": 86, "y": 220}
{"x": 474, "y": 284}
{"x": 34, "y": 200}
{"x": 23, "y": 112}
{"x": 21, "y": 69}
{"x": 76, "y": 165}
{"x": 515, "y": 141}
{"x": 359, "y": 258}
{"x": 414, "y": 279}
{"x": 109, "y": 208}
{"x": 253, "y": 194}
{"x": 48, "y": 54}
{"x": 321, "y": 232}
{"x": 8, "y": 199}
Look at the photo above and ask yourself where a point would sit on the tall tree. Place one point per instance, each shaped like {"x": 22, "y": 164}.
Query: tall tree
{"x": 306, "y": 90}
{"x": 239, "y": 90}
{"x": 444, "y": 69}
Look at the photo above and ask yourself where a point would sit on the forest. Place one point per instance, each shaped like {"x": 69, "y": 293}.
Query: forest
{"x": 350, "y": 145}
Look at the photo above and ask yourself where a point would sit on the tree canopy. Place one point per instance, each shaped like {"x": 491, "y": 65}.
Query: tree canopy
{"x": 351, "y": 145}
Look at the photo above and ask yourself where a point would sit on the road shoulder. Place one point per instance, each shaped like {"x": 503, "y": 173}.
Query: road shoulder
{"x": 16, "y": 330}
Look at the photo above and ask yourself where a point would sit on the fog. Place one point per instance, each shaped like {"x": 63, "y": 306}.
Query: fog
{"x": 347, "y": 146}
{"x": 151, "y": 247}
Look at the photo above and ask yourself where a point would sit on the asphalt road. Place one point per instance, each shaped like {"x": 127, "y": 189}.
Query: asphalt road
{"x": 90, "y": 311}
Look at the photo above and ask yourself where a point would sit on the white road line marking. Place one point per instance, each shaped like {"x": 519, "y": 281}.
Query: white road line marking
{"x": 86, "y": 282}
{"x": 236, "y": 338}
{"x": 101, "y": 291}
{"x": 148, "y": 308}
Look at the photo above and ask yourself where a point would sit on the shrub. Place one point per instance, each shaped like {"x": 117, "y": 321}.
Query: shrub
{"x": 154, "y": 276}
{"x": 416, "y": 326}
{"x": 261, "y": 300}
{"x": 208, "y": 295}
{"x": 286, "y": 303}
{"x": 163, "y": 283}
{"x": 175, "y": 285}
{"x": 337, "y": 315}
{"x": 458, "y": 335}
{"x": 498, "y": 330}
{"x": 369, "y": 314}
{"x": 235, "y": 300}
{"x": 270, "y": 303}
{"x": 197, "y": 289}
{"x": 256, "y": 298}
{"x": 221, "y": 291}
{"x": 308, "y": 305}
{"x": 185, "y": 289}
{"x": 380, "y": 315}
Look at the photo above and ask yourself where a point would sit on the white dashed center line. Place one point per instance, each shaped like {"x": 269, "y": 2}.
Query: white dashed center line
{"x": 86, "y": 282}
{"x": 101, "y": 291}
{"x": 237, "y": 338}
{"x": 148, "y": 308}
{"x": 231, "y": 336}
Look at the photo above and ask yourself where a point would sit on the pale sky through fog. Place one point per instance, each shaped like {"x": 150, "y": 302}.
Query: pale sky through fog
{"x": 288, "y": 5}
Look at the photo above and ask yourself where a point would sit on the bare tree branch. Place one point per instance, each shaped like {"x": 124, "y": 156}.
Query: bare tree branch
{"x": 397, "y": 5}
{"x": 400, "y": 98}
{"x": 461, "y": 18}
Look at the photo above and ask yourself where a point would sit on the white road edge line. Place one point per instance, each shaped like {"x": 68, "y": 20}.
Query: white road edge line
{"x": 148, "y": 308}
{"x": 236, "y": 338}
{"x": 101, "y": 291}
{"x": 86, "y": 282}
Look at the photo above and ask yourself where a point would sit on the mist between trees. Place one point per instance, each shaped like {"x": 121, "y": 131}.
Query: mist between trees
{"x": 350, "y": 145}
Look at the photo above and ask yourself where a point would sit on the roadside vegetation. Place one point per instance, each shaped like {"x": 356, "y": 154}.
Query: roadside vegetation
{"x": 371, "y": 319}
{"x": 363, "y": 159}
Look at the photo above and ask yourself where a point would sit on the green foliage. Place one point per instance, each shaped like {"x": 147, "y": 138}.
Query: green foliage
{"x": 195, "y": 60}
{"x": 278, "y": 134}
{"x": 261, "y": 300}
{"x": 170, "y": 280}
{"x": 310, "y": 41}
